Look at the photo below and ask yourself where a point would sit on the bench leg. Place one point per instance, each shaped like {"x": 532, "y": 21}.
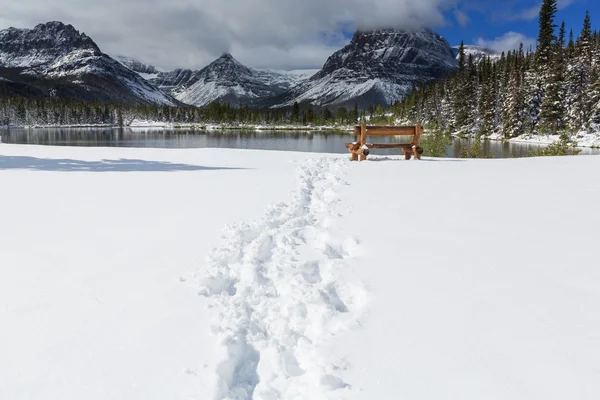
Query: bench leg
{"x": 416, "y": 153}
{"x": 353, "y": 157}
{"x": 407, "y": 155}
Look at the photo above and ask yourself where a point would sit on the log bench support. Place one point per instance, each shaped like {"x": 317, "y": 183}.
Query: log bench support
{"x": 360, "y": 149}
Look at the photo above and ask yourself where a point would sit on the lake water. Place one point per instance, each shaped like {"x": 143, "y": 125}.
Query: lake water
{"x": 313, "y": 142}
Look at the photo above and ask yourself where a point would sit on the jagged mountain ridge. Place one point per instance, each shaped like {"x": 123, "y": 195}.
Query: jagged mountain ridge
{"x": 376, "y": 67}
{"x": 227, "y": 80}
{"x": 54, "y": 59}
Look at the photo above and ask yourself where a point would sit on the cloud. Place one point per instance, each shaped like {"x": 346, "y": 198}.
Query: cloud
{"x": 562, "y": 4}
{"x": 527, "y": 14}
{"x": 532, "y": 12}
{"x": 506, "y": 42}
{"x": 192, "y": 33}
{"x": 461, "y": 17}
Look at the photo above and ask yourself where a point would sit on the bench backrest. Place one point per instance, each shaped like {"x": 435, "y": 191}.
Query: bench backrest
{"x": 373, "y": 130}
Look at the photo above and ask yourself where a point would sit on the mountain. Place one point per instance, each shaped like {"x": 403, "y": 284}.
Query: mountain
{"x": 376, "y": 67}
{"x": 226, "y": 80}
{"x": 144, "y": 70}
{"x": 179, "y": 78}
{"x": 479, "y": 53}
{"x": 54, "y": 59}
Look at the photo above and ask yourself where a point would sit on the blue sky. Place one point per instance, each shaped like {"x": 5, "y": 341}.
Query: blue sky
{"x": 501, "y": 23}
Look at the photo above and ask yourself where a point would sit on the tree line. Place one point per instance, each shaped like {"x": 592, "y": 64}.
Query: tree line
{"x": 28, "y": 111}
{"x": 552, "y": 90}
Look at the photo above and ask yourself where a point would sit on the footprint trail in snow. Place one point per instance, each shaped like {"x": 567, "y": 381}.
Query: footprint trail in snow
{"x": 282, "y": 291}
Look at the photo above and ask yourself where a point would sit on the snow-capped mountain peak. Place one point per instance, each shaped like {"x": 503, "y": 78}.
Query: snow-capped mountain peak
{"x": 376, "y": 67}
{"x": 56, "y": 58}
{"x": 40, "y": 46}
{"x": 227, "y": 57}
{"x": 229, "y": 81}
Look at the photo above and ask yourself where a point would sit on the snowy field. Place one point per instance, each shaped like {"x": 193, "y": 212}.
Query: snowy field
{"x": 238, "y": 274}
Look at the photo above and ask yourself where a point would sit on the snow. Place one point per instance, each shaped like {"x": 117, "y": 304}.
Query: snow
{"x": 218, "y": 82}
{"x": 146, "y": 90}
{"x": 379, "y": 66}
{"x": 286, "y": 78}
{"x": 336, "y": 88}
{"x": 478, "y": 53}
{"x": 70, "y": 61}
{"x": 466, "y": 283}
{"x": 92, "y": 259}
{"x": 148, "y": 77}
{"x": 583, "y": 138}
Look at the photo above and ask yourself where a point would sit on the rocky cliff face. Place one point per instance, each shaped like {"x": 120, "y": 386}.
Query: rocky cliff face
{"x": 376, "y": 67}
{"x": 54, "y": 59}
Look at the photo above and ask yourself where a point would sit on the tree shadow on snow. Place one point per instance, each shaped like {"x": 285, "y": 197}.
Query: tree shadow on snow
{"x": 120, "y": 165}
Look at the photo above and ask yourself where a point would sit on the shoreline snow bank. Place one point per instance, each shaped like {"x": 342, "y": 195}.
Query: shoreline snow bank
{"x": 583, "y": 139}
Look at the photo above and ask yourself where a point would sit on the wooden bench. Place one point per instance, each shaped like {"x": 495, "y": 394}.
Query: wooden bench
{"x": 360, "y": 149}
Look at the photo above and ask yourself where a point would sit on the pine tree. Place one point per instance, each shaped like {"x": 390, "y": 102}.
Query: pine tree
{"x": 514, "y": 110}
{"x": 571, "y": 46}
{"x": 536, "y": 76}
{"x": 310, "y": 115}
{"x": 295, "y": 117}
{"x": 546, "y": 37}
{"x": 342, "y": 115}
{"x": 354, "y": 116}
{"x": 463, "y": 93}
{"x": 580, "y": 79}
{"x": 552, "y": 110}
{"x": 595, "y": 116}
{"x": 487, "y": 94}
{"x": 326, "y": 114}
{"x": 462, "y": 60}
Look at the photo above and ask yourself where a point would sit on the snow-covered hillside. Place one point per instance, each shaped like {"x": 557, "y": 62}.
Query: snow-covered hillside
{"x": 376, "y": 67}
{"x": 146, "y": 71}
{"x": 305, "y": 291}
{"x": 227, "y": 80}
{"x": 57, "y": 59}
{"x": 478, "y": 53}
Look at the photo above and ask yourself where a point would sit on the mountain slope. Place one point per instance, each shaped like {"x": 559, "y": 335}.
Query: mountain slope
{"x": 146, "y": 71}
{"x": 57, "y": 60}
{"x": 376, "y": 67}
{"x": 226, "y": 80}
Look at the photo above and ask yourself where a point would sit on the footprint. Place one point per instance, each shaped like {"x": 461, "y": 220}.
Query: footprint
{"x": 333, "y": 382}
{"x": 311, "y": 272}
{"x": 273, "y": 305}
{"x": 331, "y": 296}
